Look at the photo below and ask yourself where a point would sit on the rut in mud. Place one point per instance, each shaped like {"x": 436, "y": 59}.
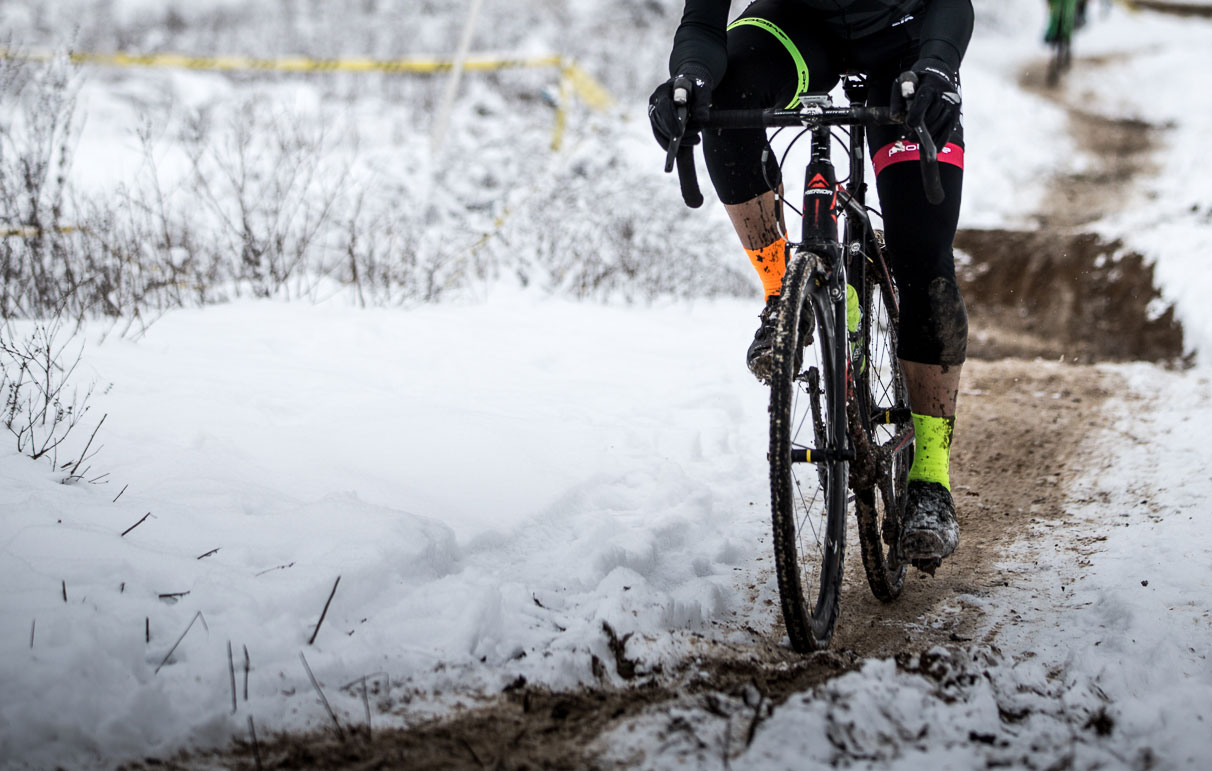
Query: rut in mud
{"x": 1176, "y": 8}
{"x": 1060, "y": 295}
{"x": 1118, "y": 149}
{"x": 1045, "y": 305}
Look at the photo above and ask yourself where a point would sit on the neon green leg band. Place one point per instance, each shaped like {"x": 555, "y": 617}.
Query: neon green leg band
{"x": 801, "y": 67}
{"x": 932, "y": 449}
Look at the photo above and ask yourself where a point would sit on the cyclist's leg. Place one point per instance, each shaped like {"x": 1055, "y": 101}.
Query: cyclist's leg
{"x": 933, "y": 334}
{"x": 1070, "y": 18}
{"x": 1054, "y": 18}
{"x": 932, "y": 343}
{"x": 919, "y": 235}
{"x": 774, "y": 52}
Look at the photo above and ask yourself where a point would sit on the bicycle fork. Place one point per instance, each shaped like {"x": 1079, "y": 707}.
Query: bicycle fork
{"x": 825, "y": 302}
{"x": 828, "y": 298}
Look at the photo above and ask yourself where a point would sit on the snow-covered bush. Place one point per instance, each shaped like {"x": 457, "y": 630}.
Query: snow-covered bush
{"x": 38, "y": 130}
{"x": 278, "y": 184}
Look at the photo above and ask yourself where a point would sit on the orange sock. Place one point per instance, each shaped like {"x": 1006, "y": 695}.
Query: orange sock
{"x": 770, "y": 263}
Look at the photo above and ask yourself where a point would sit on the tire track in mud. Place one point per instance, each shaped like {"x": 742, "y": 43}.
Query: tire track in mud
{"x": 1175, "y": 8}
{"x": 1045, "y": 307}
{"x": 1118, "y": 150}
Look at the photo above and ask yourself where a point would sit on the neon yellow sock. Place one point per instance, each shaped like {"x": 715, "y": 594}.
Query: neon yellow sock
{"x": 852, "y": 309}
{"x": 932, "y": 449}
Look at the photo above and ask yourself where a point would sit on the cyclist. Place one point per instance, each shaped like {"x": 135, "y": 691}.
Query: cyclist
{"x": 1077, "y": 14}
{"x": 777, "y": 49}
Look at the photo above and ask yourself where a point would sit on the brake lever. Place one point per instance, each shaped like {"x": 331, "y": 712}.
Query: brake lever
{"x": 681, "y": 101}
{"x": 683, "y": 156}
{"x": 927, "y": 152}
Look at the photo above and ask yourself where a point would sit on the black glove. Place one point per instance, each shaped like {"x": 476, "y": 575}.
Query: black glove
{"x": 662, "y": 112}
{"x": 935, "y": 99}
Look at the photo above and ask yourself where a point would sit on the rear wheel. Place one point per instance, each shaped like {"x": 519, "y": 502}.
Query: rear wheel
{"x": 881, "y": 423}
{"x": 808, "y": 477}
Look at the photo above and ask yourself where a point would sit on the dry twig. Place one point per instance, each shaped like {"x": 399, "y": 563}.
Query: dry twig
{"x": 132, "y": 527}
{"x": 168, "y": 655}
{"x": 323, "y": 699}
{"x": 252, "y": 730}
{"x": 231, "y": 669}
{"x": 325, "y": 611}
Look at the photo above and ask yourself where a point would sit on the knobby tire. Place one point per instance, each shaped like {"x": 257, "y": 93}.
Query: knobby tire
{"x": 808, "y": 500}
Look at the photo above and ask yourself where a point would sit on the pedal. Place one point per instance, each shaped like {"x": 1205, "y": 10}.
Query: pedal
{"x": 927, "y": 566}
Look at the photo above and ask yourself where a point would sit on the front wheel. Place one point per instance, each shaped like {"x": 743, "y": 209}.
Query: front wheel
{"x": 808, "y": 443}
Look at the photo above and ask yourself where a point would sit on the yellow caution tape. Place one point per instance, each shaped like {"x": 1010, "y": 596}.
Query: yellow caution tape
{"x": 25, "y": 231}
{"x": 572, "y": 78}
{"x": 585, "y": 86}
{"x": 590, "y": 91}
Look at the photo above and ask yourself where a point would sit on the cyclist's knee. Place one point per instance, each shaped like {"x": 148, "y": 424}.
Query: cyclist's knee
{"x": 951, "y": 327}
{"x": 934, "y": 327}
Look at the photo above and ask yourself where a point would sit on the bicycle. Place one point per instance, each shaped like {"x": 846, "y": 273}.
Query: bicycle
{"x": 840, "y": 424}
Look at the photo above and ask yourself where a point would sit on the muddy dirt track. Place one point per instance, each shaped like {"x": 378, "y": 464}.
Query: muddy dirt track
{"x": 1176, "y": 8}
{"x": 1045, "y": 306}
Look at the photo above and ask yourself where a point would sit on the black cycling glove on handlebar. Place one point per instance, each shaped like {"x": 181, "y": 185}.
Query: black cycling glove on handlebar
{"x": 662, "y": 112}
{"x": 936, "y": 100}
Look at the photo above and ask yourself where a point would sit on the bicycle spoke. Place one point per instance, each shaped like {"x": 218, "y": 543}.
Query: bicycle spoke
{"x": 807, "y": 511}
{"x": 884, "y": 395}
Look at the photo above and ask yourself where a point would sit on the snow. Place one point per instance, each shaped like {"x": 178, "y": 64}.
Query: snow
{"x": 1173, "y": 220}
{"x": 495, "y": 479}
{"x": 1128, "y": 641}
{"x": 475, "y": 490}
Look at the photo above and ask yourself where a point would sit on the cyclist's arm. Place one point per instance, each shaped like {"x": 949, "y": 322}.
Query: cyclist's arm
{"x": 700, "y": 44}
{"x": 946, "y": 30}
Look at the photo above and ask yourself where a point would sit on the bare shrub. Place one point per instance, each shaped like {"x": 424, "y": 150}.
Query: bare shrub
{"x": 601, "y": 231}
{"x": 385, "y": 261}
{"x": 40, "y": 411}
{"x": 264, "y": 201}
{"x": 270, "y": 186}
{"x": 38, "y": 132}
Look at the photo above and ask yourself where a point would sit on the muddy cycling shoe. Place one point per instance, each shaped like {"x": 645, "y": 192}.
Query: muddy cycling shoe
{"x": 760, "y": 357}
{"x": 929, "y": 531}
